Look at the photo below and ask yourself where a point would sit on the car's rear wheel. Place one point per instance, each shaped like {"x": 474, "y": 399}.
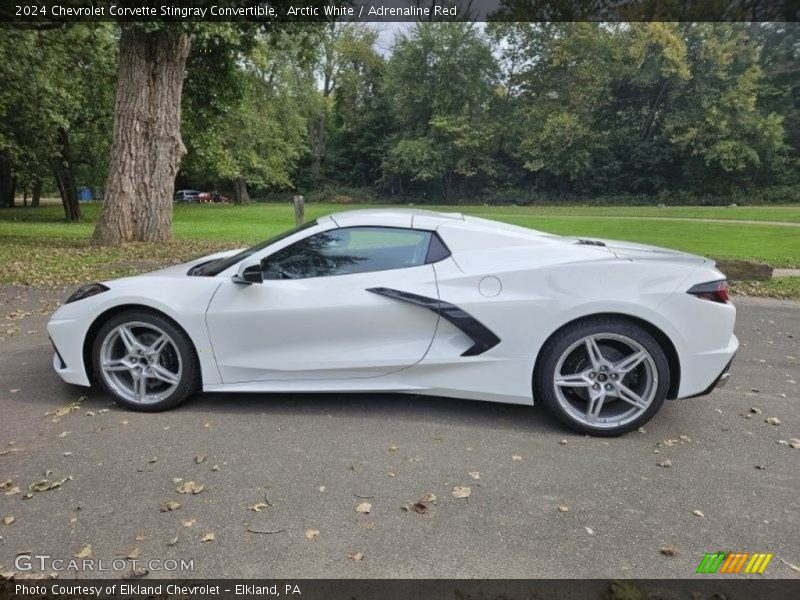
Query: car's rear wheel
{"x": 603, "y": 376}
{"x": 145, "y": 361}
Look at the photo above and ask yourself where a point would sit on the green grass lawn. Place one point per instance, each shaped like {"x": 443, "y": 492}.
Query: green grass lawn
{"x": 36, "y": 246}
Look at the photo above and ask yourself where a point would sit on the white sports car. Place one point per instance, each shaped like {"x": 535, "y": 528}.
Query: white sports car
{"x": 415, "y": 302}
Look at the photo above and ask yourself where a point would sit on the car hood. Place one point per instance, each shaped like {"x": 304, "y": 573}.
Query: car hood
{"x": 182, "y": 269}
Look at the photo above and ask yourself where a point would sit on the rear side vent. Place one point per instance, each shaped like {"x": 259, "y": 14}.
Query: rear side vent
{"x": 591, "y": 243}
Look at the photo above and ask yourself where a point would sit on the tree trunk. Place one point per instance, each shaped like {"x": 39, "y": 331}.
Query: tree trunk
{"x": 147, "y": 148}
{"x": 65, "y": 177}
{"x": 240, "y": 195}
{"x": 36, "y": 192}
{"x": 6, "y": 182}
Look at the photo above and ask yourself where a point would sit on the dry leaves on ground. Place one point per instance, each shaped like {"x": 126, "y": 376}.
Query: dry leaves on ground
{"x": 84, "y": 551}
{"x": 259, "y": 506}
{"x": 312, "y": 534}
{"x": 698, "y": 513}
{"x": 462, "y": 491}
{"x": 190, "y": 487}
{"x": 170, "y": 506}
{"x": 8, "y": 520}
{"x": 772, "y": 421}
{"x": 668, "y": 551}
{"x": 562, "y": 508}
{"x": 208, "y": 537}
{"x": 356, "y": 556}
{"x": 364, "y": 508}
{"x": 665, "y": 464}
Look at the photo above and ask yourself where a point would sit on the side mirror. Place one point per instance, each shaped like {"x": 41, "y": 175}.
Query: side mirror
{"x": 249, "y": 273}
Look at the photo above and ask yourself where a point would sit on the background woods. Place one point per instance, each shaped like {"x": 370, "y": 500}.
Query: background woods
{"x": 505, "y": 112}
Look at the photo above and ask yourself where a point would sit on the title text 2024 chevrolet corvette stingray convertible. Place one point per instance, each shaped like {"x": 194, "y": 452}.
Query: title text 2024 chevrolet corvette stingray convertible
{"x": 416, "y": 302}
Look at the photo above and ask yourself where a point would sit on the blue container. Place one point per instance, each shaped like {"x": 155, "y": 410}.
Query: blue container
{"x": 84, "y": 193}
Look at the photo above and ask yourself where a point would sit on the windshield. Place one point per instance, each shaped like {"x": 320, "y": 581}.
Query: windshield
{"x": 215, "y": 267}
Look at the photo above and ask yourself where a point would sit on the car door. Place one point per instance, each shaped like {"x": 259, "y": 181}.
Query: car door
{"x": 314, "y": 316}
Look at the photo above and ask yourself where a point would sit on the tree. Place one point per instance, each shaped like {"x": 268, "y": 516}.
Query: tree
{"x": 147, "y": 147}
{"x": 54, "y": 109}
{"x": 260, "y": 134}
{"x": 441, "y": 80}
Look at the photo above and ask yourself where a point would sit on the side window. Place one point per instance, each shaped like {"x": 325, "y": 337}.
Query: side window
{"x": 349, "y": 250}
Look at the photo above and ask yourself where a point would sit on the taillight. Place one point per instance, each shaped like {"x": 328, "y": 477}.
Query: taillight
{"x": 716, "y": 291}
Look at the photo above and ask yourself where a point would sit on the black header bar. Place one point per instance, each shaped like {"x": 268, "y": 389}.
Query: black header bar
{"x": 274, "y": 11}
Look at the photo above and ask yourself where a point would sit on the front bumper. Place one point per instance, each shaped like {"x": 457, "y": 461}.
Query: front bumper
{"x": 67, "y": 337}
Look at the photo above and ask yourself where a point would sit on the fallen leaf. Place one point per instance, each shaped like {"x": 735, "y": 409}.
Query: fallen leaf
{"x": 13, "y": 490}
{"x": 135, "y": 553}
{"x": 417, "y": 507}
{"x": 462, "y": 491}
{"x": 562, "y": 508}
{"x": 136, "y": 573}
{"x": 668, "y": 551}
{"x": 761, "y": 467}
{"x": 259, "y": 506}
{"x": 356, "y": 556}
{"x": 312, "y": 533}
{"x": 189, "y": 522}
{"x": 208, "y": 537}
{"x": 589, "y": 530}
{"x": 793, "y": 567}
{"x": 773, "y": 421}
{"x": 5, "y": 484}
{"x": 8, "y": 520}
{"x": 475, "y": 474}
{"x": 392, "y": 474}
{"x": 666, "y": 463}
{"x": 199, "y": 459}
{"x": 364, "y": 508}
{"x": 755, "y": 410}
{"x": 140, "y": 537}
{"x": 44, "y": 485}
{"x": 64, "y": 434}
{"x": 173, "y": 541}
{"x": 10, "y": 451}
{"x": 321, "y": 488}
{"x": 14, "y": 390}
{"x": 265, "y": 531}
{"x": 394, "y": 448}
{"x": 89, "y": 413}
{"x": 698, "y": 513}
{"x": 427, "y": 497}
{"x": 516, "y": 457}
{"x": 563, "y": 442}
{"x": 84, "y": 552}
{"x": 169, "y": 506}
{"x": 190, "y": 487}
{"x": 794, "y": 443}
{"x": 152, "y": 460}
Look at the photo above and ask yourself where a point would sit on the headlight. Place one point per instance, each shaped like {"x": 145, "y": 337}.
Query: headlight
{"x": 86, "y": 291}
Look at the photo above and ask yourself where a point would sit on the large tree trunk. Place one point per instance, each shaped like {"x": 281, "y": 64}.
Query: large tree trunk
{"x": 147, "y": 148}
{"x": 36, "y": 192}
{"x": 65, "y": 178}
{"x": 240, "y": 195}
{"x": 6, "y": 182}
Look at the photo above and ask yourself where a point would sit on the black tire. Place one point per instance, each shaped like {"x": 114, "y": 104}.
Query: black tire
{"x": 543, "y": 379}
{"x": 190, "y": 380}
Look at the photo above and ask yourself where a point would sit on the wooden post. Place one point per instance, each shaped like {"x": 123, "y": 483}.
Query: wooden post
{"x": 299, "y": 210}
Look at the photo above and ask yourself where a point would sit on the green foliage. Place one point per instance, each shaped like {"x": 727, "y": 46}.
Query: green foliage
{"x": 57, "y": 80}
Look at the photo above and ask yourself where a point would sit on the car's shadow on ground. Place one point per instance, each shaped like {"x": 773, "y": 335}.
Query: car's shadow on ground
{"x": 430, "y": 410}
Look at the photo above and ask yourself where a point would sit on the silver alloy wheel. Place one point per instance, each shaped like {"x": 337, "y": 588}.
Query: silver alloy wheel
{"x": 140, "y": 362}
{"x": 605, "y": 380}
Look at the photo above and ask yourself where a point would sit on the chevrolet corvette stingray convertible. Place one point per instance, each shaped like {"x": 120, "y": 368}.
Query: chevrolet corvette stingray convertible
{"x": 416, "y": 302}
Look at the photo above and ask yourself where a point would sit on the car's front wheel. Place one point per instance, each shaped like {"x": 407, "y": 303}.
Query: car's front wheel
{"x": 603, "y": 376}
{"x": 145, "y": 361}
